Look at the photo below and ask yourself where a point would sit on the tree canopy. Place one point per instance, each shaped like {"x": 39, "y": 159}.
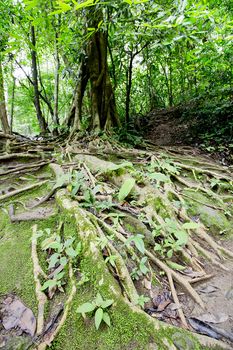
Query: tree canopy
{"x": 57, "y": 55}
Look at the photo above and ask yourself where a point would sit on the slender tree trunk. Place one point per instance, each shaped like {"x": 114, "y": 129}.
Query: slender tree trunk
{"x": 42, "y": 123}
{"x": 12, "y": 103}
{"x": 56, "y": 78}
{"x": 56, "y": 83}
{"x": 128, "y": 87}
{"x": 170, "y": 83}
{"x": 3, "y": 112}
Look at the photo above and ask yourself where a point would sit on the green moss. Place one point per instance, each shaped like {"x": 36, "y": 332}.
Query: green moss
{"x": 215, "y": 219}
{"x": 16, "y": 270}
{"x": 160, "y": 207}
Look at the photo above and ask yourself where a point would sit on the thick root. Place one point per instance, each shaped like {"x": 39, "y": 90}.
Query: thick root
{"x": 41, "y": 297}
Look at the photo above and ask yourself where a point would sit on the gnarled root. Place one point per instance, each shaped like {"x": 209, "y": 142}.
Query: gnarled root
{"x": 37, "y": 270}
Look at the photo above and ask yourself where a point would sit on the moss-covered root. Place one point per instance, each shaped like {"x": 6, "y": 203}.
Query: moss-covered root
{"x": 49, "y": 341}
{"x": 159, "y": 334}
{"x": 41, "y": 297}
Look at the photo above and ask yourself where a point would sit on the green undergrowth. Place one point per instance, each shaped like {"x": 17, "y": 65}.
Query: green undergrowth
{"x": 129, "y": 330}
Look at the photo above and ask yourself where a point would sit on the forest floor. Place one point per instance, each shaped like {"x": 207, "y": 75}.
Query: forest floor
{"x": 148, "y": 229}
{"x": 168, "y": 127}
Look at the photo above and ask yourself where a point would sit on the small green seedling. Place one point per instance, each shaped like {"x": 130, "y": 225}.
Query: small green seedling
{"x": 99, "y": 305}
{"x": 142, "y": 299}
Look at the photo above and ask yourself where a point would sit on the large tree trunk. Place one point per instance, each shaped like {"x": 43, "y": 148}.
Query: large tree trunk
{"x": 3, "y": 112}
{"x": 95, "y": 68}
{"x": 42, "y": 123}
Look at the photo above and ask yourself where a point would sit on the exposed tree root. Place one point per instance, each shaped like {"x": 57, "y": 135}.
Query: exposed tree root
{"x": 68, "y": 304}
{"x": 18, "y": 155}
{"x": 70, "y": 206}
{"x": 122, "y": 271}
{"x": 147, "y": 208}
{"x": 23, "y": 167}
{"x": 21, "y": 190}
{"x": 44, "y": 213}
{"x": 41, "y": 297}
{"x": 176, "y": 300}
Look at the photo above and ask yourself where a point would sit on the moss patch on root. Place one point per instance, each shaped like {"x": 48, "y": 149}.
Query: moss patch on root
{"x": 215, "y": 219}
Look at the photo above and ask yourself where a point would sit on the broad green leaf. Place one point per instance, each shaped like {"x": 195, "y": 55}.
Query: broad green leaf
{"x": 64, "y": 6}
{"x": 99, "y": 300}
{"x": 63, "y": 261}
{"x": 169, "y": 253}
{"x": 47, "y": 242}
{"x": 78, "y": 248}
{"x": 142, "y": 265}
{"x": 139, "y": 243}
{"x": 125, "y": 189}
{"x": 54, "y": 245}
{"x": 59, "y": 275}
{"x": 115, "y": 167}
{"x": 68, "y": 242}
{"x": 106, "y": 303}
{"x": 159, "y": 177}
{"x": 106, "y": 319}
{"x": 182, "y": 237}
{"x": 71, "y": 252}
{"x": 86, "y": 307}
{"x": 175, "y": 266}
{"x": 98, "y": 317}
{"x": 49, "y": 284}
{"x": 53, "y": 260}
{"x": 157, "y": 247}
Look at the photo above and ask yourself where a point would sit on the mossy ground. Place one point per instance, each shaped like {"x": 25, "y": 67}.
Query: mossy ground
{"x": 129, "y": 330}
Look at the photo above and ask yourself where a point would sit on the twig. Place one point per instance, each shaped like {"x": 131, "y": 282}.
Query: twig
{"x": 91, "y": 177}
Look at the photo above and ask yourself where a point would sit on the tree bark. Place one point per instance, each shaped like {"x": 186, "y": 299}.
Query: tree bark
{"x": 56, "y": 82}
{"x": 3, "y": 112}
{"x": 12, "y": 104}
{"x": 95, "y": 69}
{"x": 42, "y": 123}
{"x": 128, "y": 87}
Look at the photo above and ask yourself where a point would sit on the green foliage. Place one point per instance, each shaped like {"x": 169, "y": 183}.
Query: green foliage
{"x": 138, "y": 241}
{"x": 59, "y": 253}
{"x": 142, "y": 299}
{"x": 126, "y": 189}
{"x": 141, "y": 270}
{"x": 176, "y": 237}
{"x": 100, "y": 306}
{"x": 181, "y": 54}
